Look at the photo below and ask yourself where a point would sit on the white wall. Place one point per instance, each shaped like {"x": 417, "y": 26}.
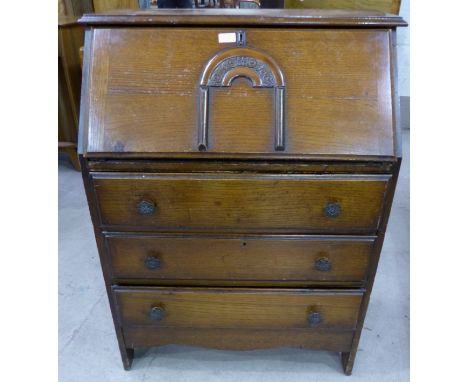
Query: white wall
{"x": 403, "y": 44}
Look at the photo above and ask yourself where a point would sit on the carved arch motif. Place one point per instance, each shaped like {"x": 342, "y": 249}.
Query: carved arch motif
{"x": 262, "y": 72}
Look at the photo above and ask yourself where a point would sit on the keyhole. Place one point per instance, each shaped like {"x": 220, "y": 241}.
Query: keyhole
{"x": 240, "y": 38}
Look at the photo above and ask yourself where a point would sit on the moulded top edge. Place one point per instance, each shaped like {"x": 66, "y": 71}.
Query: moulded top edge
{"x": 246, "y": 17}
{"x": 239, "y": 156}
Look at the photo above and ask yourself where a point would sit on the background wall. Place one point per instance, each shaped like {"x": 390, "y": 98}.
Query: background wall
{"x": 403, "y": 41}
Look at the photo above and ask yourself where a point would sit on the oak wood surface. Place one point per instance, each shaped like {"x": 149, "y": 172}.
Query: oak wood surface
{"x": 70, "y": 39}
{"x": 240, "y": 339}
{"x": 387, "y": 6}
{"x": 74, "y": 8}
{"x": 233, "y": 227}
{"x": 212, "y": 308}
{"x": 242, "y": 201}
{"x": 348, "y": 358}
{"x": 126, "y": 352}
{"x": 267, "y": 258}
{"x": 330, "y": 18}
{"x": 338, "y": 94}
{"x": 261, "y": 166}
{"x": 110, "y": 5}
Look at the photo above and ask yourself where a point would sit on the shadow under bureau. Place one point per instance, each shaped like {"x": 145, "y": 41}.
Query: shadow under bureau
{"x": 240, "y": 167}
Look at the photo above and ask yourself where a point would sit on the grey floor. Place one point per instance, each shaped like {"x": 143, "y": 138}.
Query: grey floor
{"x": 88, "y": 348}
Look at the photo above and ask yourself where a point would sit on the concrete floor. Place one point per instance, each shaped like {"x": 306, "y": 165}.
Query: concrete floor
{"x": 88, "y": 349}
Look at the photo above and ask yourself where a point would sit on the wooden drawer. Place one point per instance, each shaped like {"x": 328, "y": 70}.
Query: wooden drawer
{"x": 223, "y": 259}
{"x": 264, "y": 203}
{"x": 238, "y": 308}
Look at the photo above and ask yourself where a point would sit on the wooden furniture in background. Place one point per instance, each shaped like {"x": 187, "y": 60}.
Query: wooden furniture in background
{"x": 240, "y": 190}
{"x": 70, "y": 39}
{"x": 388, "y": 6}
{"x": 70, "y": 44}
{"x": 80, "y": 7}
{"x": 75, "y": 7}
{"x": 109, "y": 5}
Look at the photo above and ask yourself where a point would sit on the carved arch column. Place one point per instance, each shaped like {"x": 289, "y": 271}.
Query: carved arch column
{"x": 262, "y": 72}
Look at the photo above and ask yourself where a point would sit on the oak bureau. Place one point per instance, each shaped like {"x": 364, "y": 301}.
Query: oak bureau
{"x": 240, "y": 167}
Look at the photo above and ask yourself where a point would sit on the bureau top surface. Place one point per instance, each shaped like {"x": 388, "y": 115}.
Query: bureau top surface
{"x": 246, "y": 17}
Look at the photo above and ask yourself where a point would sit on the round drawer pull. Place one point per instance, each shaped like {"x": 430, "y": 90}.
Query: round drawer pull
{"x": 323, "y": 264}
{"x": 332, "y": 210}
{"x": 157, "y": 313}
{"x": 146, "y": 208}
{"x": 152, "y": 262}
{"x": 314, "y": 318}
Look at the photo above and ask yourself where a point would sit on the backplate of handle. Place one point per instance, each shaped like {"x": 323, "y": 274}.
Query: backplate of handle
{"x": 323, "y": 264}
{"x": 152, "y": 262}
{"x": 146, "y": 208}
{"x": 157, "y": 313}
{"x": 332, "y": 210}
{"x": 314, "y": 318}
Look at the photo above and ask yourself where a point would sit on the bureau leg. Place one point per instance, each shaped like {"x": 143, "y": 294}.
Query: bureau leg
{"x": 347, "y": 360}
{"x": 127, "y": 357}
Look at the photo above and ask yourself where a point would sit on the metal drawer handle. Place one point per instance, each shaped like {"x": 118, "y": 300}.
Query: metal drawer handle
{"x": 157, "y": 313}
{"x": 146, "y": 208}
{"x": 323, "y": 264}
{"x": 314, "y": 318}
{"x": 152, "y": 262}
{"x": 332, "y": 210}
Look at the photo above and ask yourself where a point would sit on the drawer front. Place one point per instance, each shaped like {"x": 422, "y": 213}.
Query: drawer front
{"x": 335, "y": 87}
{"x": 244, "y": 258}
{"x": 301, "y": 203}
{"x": 238, "y": 308}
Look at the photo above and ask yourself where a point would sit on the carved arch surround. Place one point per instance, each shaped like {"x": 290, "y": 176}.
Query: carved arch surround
{"x": 262, "y": 72}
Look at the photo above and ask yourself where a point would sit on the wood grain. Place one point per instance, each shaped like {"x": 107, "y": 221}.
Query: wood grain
{"x": 110, "y": 5}
{"x": 212, "y": 308}
{"x": 258, "y": 258}
{"x": 238, "y": 229}
{"x": 387, "y": 6}
{"x": 248, "y": 17}
{"x": 70, "y": 39}
{"x": 243, "y": 202}
{"x": 240, "y": 339}
{"x": 75, "y": 7}
{"x": 338, "y": 94}
{"x": 254, "y": 166}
